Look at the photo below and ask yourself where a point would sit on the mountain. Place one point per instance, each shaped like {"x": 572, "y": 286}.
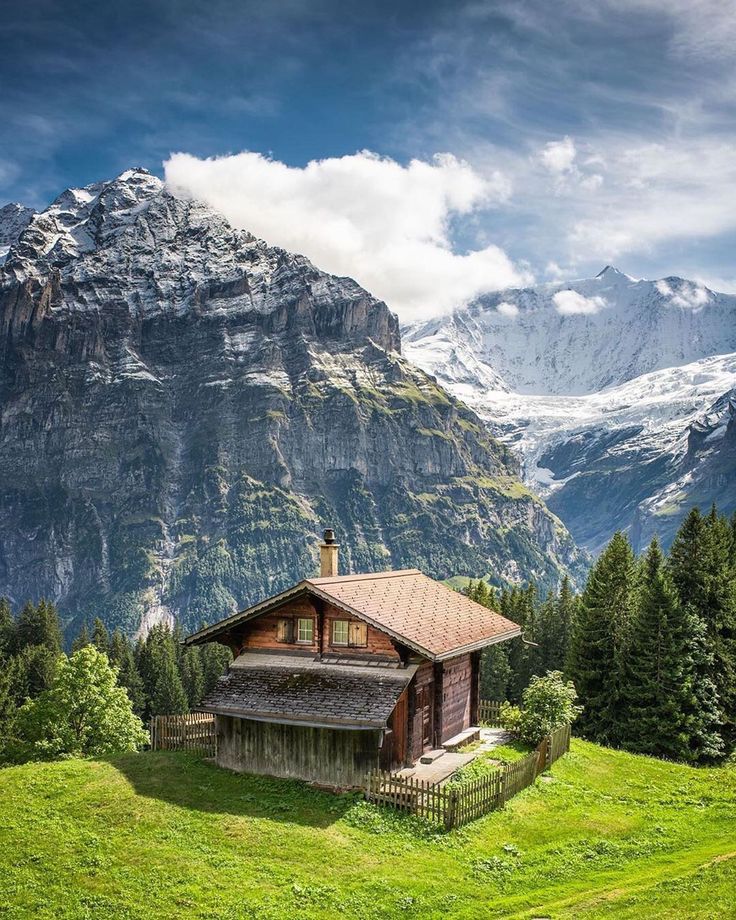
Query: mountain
{"x": 185, "y": 407}
{"x": 604, "y": 386}
{"x": 14, "y": 218}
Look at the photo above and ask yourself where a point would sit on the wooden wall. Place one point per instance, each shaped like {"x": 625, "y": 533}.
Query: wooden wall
{"x": 421, "y": 710}
{"x": 457, "y": 694}
{"x": 260, "y": 633}
{"x": 331, "y": 757}
{"x": 378, "y": 643}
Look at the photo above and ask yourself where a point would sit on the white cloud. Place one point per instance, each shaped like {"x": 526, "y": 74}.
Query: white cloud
{"x": 559, "y": 156}
{"x": 687, "y": 296}
{"x": 656, "y": 193}
{"x": 369, "y": 217}
{"x": 570, "y": 303}
{"x": 507, "y": 309}
{"x": 555, "y": 271}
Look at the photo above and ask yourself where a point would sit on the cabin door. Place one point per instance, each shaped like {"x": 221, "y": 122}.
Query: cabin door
{"x": 393, "y": 750}
{"x": 424, "y": 707}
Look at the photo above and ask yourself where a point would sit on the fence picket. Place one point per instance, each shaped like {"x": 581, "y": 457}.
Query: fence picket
{"x": 456, "y": 806}
{"x": 194, "y": 731}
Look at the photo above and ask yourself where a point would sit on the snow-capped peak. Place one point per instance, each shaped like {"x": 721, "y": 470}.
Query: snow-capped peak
{"x": 79, "y": 219}
{"x": 14, "y": 218}
{"x": 610, "y": 272}
{"x": 581, "y": 336}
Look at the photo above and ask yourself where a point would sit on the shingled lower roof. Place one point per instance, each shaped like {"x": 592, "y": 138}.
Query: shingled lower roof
{"x": 295, "y": 690}
{"x": 417, "y": 611}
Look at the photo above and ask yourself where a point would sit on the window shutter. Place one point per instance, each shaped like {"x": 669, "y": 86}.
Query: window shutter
{"x": 285, "y": 630}
{"x": 358, "y": 634}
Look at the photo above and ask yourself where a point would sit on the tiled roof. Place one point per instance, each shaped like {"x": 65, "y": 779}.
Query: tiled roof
{"x": 295, "y": 690}
{"x": 418, "y": 611}
{"x": 430, "y": 615}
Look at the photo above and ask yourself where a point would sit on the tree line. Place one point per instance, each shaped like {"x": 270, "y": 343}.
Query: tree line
{"x": 158, "y": 674}
{"x": 650, "y": 643}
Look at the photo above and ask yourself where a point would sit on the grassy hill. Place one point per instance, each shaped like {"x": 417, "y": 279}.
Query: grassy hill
{"x": 165, "y": 835}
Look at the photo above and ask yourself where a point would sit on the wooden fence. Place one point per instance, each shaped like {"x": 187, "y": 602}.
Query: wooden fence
{"x": 194, "y": 731}
{"x": 455, "y": 805}
{"x": 489, "y": 713}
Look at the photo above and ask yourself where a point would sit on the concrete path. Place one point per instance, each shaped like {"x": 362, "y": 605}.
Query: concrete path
{"x": 443, "y": 768}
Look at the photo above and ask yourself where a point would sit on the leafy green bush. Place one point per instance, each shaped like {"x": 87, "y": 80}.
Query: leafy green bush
{"x": 548, "y": 704}
{"x": 83, "y": 713}
{"x": 510, "y": 717}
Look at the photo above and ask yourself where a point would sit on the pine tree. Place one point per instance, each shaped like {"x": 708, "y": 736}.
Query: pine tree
{"x": 495, "y": 672}
{"x": 215, "y": 658}
{"x": 522, "y": 604}
{"x": 82, "y": 639}
{"x": 7, "y": 630}
{"x": 702, "y": 569}
{"x": 720, "y": 620}
{"x": 100, "y": 637}
{"x": 169, "y": 697}
{"x": 703, "y": 707}
{"x": 122, "y": 657}
{"x": 657, "y": 669}
{"x": 544, "y": 637}
{"x": 39, "y": 626}
{"x": 599, "y": 641}
{"x": 35, "y": 668}
{"x": 192, "y": 676}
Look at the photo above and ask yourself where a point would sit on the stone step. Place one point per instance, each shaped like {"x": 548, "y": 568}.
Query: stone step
{"x": 431, "y": 756}
{"x": 463, "y": 738}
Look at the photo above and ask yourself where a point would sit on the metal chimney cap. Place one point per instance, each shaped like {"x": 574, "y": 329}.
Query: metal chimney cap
{"x": 329, "y": 536}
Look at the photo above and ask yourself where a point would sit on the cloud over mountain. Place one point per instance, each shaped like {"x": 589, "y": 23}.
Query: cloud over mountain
{"x": 385, "y": 224}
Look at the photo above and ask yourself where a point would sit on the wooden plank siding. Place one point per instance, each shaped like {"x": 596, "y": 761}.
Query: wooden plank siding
{"x": 261, "y": 633}
{"x": 338, "y": 757}
{"x": 457, "y": 691}
{"x": 378, "y": 643}
{"x": 421, "y": 718}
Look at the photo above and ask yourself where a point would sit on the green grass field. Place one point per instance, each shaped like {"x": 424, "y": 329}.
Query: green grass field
{"x": 605, "y": 834}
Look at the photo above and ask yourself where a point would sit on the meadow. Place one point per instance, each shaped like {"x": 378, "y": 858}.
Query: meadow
{"x": 164, "y": 835}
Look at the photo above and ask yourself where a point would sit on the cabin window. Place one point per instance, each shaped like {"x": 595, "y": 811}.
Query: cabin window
{"x": 346, "y": 632}
{"x": 285, "y": 630}
{"x": 340, "y": 632}
{"x": 305, "y": 630}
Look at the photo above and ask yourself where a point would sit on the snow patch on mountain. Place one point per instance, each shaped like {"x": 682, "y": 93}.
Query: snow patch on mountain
{"x": 601, "y": 398}
{"x": 14, "y": 218}
{"x": 579, "y": 337}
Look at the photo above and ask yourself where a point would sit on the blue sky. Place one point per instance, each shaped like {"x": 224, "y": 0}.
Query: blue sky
{"x": 595, "y": 131}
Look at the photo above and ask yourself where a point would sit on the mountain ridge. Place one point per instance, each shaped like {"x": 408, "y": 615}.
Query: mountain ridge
{"x": 184, "y": 406}
{"x": 599, "y": 404}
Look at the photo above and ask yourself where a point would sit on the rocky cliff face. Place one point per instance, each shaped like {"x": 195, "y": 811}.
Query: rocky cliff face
{"x": 601, "y": 385}
{"x": 14, "y": 218}
{"x": 184, "y": 407}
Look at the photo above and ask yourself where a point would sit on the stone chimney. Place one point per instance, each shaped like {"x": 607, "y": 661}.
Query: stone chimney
{"x": 328, "y": 555}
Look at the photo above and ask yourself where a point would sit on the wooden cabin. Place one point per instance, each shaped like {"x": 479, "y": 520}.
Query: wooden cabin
{"x": 343, "y": 674}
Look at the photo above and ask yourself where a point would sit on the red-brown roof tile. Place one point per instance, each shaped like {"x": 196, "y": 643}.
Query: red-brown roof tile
{"x": 415, "y": 609}
{"x": 418, "y": 608}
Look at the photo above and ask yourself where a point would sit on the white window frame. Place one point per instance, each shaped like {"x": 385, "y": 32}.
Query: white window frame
{"x": 346, "y": 625}
{"x": 306, "y": 623}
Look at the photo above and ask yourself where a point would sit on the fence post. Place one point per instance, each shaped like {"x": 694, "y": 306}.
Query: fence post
{"x": 451, "y": 810}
